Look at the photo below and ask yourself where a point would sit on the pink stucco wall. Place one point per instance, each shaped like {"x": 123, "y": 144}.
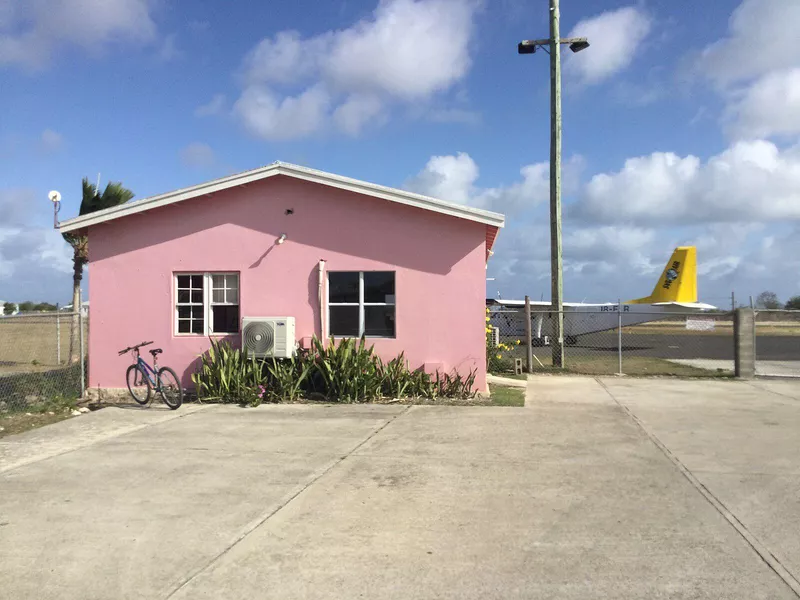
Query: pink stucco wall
{"x": 439, "y": 263}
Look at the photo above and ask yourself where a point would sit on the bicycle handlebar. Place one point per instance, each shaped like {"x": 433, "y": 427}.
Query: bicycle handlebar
{"x": 136, "y": 347}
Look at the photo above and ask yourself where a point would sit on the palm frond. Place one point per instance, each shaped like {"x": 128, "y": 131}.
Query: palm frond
{"x": 114, "y": 195}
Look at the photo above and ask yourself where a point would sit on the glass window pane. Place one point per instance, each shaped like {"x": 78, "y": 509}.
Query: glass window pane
{"x": 232, "y": 295}
{"x": 379, "y": 321}
{"x": 343, "y": 286}
{"x": 184, "y": 312}
{"x": 218, "y": 296}
{"x": 197, "y": 296}
{"x": 378, "y": 286}
{"x": 183, "y": 326}
{"x": 183, "y": 281}
{"x": 218, "y": 281}
{"x": 225, "y": 318}
{"x": 344, "y": 321}
{"x": 183, "y": 295}
{"x": 197, "y": 311}
{"x": 197, "y": 326}
{"x": 197, "y": 281}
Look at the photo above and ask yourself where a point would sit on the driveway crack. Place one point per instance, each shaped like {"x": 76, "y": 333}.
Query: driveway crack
{"x": 186, "y": 581}
{"x": 758, "y": 547}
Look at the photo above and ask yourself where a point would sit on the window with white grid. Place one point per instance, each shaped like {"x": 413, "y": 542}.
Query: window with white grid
{"x": 206, "y": 303}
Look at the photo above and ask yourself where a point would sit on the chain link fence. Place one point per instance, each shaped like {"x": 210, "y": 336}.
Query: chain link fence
{"x": 605, "y": 340}
{"x": 777, "y": 343}
{"x": 42, "y": 360}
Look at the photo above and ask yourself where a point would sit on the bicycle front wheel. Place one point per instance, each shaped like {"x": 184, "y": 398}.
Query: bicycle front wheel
{"x": 169, "y": 386}
{"x": 138, "y": 384}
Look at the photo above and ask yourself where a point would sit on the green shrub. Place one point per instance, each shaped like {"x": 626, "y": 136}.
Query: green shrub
{"x": 344, "y": 370}
{"x": 348, "y": 370}
{"x": 286, "y": 379}
{"x": 455, "y": 385}
{"x": 228, "y": 375}
{"x": 397, "y": 380}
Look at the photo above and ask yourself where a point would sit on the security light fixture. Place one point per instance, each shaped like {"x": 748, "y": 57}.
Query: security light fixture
{"x": 579, "y": 45}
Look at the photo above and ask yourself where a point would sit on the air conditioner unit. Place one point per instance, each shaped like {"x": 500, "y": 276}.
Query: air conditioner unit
{"x": 268, "y": 336}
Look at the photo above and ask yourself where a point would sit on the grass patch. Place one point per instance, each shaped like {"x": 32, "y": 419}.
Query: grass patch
{"x": 39, "y": 415}
{"x": 503, "y": 395}
{"x": 30, "y": 344}
{"x": 631, "y": 365}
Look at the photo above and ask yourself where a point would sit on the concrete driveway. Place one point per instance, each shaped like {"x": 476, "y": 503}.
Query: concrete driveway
{"x": 609, "y": 488}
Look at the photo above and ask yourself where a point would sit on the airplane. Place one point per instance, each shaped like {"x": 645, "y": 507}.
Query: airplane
{"x": 675, "y": 292}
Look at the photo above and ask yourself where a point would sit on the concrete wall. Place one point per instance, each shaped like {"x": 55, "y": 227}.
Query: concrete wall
{"x": 439, "y": 263}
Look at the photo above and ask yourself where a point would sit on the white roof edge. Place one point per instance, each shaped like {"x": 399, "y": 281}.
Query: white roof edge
{"x": 279, "y": 168}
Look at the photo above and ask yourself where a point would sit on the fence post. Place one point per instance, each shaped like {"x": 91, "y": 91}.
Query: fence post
{"x": 528, "y": 340}
{"x": 744, "y": 343}
{"x": 619, "y": 335}
{"x": 58, "y": 335}
{"x": 83, "y": 356}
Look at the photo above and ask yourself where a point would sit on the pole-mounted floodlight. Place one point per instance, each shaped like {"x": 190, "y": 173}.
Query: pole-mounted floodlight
{"x": 55, "y": 198}
{"x": 579, "y": 45}
{"x": 552, "y": 46}
{"x": 576, "y": 44}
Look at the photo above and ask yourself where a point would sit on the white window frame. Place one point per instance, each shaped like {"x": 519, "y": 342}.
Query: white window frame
{"x": 208, "y": 303}
{"x": 361, "y": 304}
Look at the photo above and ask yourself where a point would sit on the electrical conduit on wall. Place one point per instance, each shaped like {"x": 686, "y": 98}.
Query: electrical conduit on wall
{"x": 322, "y": 299}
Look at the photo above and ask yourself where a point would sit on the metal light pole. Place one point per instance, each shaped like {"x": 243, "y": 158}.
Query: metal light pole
{"x": 556, "y": 263}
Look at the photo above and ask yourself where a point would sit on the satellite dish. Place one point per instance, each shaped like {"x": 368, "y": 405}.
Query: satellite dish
{"x": 54, "y": 196}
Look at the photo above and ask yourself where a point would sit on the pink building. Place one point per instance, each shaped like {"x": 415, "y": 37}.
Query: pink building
{"x": 342, "y": 257}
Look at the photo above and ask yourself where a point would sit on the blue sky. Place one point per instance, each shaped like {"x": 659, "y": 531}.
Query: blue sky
{"x": 681, "y": 123}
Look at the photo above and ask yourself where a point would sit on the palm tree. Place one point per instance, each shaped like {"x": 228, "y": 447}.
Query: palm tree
{"x": 92, "y": 201}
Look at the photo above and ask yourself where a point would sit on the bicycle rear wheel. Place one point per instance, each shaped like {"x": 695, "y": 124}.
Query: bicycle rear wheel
{"x": 138, "y": 384}
{"x": 169, "y": 386}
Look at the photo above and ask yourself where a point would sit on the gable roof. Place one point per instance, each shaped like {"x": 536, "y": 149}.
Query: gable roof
{"x": 492, "y": 220}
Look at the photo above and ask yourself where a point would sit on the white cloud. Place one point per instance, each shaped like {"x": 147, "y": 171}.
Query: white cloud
{"x": 50, "y": 141}
{"x": 31, "y": 32}
{"x": 452, "y": 178}
{"x": 270, "y": 116}
{"x": 756, "y": 68}
{"x": 752, "y": 180}
{"x": 356, "y": 112}
{"x": 35, "y": 262}
{"x": 286, "y": 58}
{"x": 601, "y": 264}
{"x": 770, "y": 106}
{"x": 197, "y": 154}
{"x": 169, "y": 50}
{"x": 407, "y": 51}
{"x": 449, "y": 178}
{"x": 615, "y": 37}
{"x": 618, "y": 247}
{"x": 212, "y": 107}
{"x": 762, "y": 37}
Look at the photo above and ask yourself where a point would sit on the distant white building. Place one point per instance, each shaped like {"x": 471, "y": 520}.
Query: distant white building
{"x": 84, "y": 308}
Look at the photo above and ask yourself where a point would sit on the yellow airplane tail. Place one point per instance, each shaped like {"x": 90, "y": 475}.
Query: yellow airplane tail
{"x": 678, "y": 282}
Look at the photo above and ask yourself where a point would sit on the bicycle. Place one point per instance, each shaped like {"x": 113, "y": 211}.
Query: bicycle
{"x": 142, "y": 379}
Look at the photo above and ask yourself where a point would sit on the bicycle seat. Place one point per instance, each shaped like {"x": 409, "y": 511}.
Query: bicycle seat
{"x": 155, "y": 351}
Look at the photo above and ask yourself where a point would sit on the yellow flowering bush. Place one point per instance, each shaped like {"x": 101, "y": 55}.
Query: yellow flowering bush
{"x": 495, "y": 353}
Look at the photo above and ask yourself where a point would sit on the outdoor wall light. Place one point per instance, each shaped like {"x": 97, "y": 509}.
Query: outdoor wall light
{"x": 281, "y": 239}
